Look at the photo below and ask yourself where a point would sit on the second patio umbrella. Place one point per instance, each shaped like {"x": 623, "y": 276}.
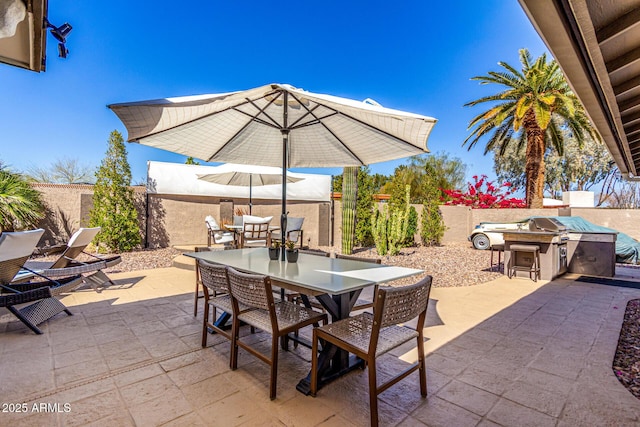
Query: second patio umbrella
{"x": 246, "y": 176}
{"x": 277, "y": 125}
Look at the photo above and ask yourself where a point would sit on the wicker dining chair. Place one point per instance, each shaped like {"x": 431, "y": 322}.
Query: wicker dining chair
{"x": 276, "y": 318}
{"x": 362, "y": 304}
{"x": 213, "y": 278}
{"x": 370, "y": 335}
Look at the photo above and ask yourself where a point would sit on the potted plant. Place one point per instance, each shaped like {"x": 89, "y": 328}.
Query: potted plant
{"x": 292, "y": 252}
{"x": 274, "y": 250}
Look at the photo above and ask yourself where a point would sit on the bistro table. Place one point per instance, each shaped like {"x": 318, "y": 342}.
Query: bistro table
{"x": 336, "y": 284}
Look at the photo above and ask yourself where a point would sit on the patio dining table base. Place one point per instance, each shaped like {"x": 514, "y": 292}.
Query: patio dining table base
{"x": 354, "y": 362}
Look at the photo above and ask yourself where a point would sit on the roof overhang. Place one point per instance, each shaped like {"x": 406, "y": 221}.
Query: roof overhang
{"x": 27, "y": 46}
{"x": 597, "y": 44}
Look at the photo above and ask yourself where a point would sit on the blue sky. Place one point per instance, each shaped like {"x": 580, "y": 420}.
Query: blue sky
{"x": 416, "y": 56}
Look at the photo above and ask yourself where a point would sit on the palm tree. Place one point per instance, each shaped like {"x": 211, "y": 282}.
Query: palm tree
{"x": 534, "y": 109}
{"x": 21, "y": 206}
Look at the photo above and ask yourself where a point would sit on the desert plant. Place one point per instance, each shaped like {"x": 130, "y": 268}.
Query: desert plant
{"x": 433, "y": 227}
{"x": 399, "y": 224}
{"x": 390, "y": 227}
{"x": 21, "y": 206}
{"x": 412, "y": 227}
{"x": 290, "y": 245}
{"x": 379, "y": 229}
{"x": 482, "y": 194}
{"x": 275, "y": 243}
{"x": 364, "y": 208}
{"x": 240, "y": 212}
{"x": 113, "y": 206}
{"x": 531, "y": 109}
{"x": 349, "y": 195}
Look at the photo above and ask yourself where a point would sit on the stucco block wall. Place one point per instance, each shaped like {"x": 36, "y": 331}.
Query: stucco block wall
{"x": 64, "y": 213}
{"x": 179, "y": 220}
{"x": 68, "y": 207}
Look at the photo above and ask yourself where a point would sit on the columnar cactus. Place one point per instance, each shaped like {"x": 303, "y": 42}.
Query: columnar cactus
{"x": 389, "y": 228}
{"x": 349, "y": 194}
{"x": 398, "y": 223}
{"x": 379, "y": 229}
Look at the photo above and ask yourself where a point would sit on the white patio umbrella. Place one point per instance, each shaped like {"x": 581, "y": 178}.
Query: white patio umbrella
{"x": 276, "y": 125}
{"x": 246, "y": 176}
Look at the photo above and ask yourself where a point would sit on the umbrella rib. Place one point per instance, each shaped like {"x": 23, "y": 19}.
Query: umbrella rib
{"x": 310, "y": 112}
{"x": 247, "y": 124}
{"x": 319, "y": 120}
{"x": 233, "y": 107}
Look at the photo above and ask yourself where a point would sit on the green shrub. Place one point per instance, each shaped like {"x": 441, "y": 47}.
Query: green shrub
{"x": 113, "y": 205}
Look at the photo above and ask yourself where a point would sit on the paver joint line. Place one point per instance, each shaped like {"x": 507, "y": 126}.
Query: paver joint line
{"x": 108, "y": 375}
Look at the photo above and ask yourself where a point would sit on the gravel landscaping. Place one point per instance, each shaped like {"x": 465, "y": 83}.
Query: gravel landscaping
{"x": 626, "y": 364}
{"x": 442, "y": 262}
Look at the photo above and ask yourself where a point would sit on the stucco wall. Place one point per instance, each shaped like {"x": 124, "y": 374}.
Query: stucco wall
{"x": 179, "y": 220}
{"x": 68, "y": 207}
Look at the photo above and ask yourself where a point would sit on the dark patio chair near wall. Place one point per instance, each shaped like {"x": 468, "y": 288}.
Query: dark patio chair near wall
{"x": 276, "y": 318}
{"x": 368, "y": 336}
{"x": 32, "y": 302}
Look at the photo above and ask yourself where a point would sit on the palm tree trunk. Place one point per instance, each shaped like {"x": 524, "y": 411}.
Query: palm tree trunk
{"x": 534, "y": 168}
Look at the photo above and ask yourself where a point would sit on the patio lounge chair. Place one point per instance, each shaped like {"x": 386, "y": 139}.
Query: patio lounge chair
{"x": 67, "y": 264}
{"x": 35, "y": 299}
{"x": 371, "y": 335}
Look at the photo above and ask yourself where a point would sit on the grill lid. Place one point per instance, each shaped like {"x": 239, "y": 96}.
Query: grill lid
{"x": 546, "y": 224}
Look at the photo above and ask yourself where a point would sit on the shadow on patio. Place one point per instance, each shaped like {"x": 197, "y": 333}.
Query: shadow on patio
{"x": 510, "y": 352}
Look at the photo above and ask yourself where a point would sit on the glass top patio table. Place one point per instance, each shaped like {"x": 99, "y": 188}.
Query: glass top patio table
{"x": 312, "y": 274}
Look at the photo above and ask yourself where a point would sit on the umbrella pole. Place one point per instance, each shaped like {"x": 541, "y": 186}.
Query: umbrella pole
{"x": 285, "y": 140}
{"x": 250, "y": 203}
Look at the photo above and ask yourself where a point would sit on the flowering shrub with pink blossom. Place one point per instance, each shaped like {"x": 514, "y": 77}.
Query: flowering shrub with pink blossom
{"x": 482, "y": 194}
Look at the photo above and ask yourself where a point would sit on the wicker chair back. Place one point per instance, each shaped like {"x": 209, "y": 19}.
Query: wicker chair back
{"x": 251, "y": 290}
{"x": 213, "y": 276}
{"x": 401, "y": 304}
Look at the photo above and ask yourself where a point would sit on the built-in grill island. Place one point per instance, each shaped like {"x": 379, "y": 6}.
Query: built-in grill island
{"x": 561, "y": 251}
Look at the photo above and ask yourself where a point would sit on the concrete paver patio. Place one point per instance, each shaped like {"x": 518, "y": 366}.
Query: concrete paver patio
{"x": 510, "y": 352}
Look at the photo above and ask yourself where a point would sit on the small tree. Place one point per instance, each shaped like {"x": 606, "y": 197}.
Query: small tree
{"x": 21, "y": 205}
{"x": 64, "y": 171}
{"x": 364, "y": 208}
{"x": 433, "y": 227}
{"x": 190, "y": 161}
{"x": 113, "y": 205}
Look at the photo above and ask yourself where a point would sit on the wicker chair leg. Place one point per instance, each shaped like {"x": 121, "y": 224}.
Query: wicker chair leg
{"x": 373, "y": 393}
{"x": 274, "y": 367}
{"x": 98, "y": 280}
{"x": 38, "y": 312}
{"x": 24, "y": 320}
{"x": 235, "y": 332}
{"x": 204, "y": 325}
{"x": 422, "y": 370}
{"x": 195, "y": 300}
